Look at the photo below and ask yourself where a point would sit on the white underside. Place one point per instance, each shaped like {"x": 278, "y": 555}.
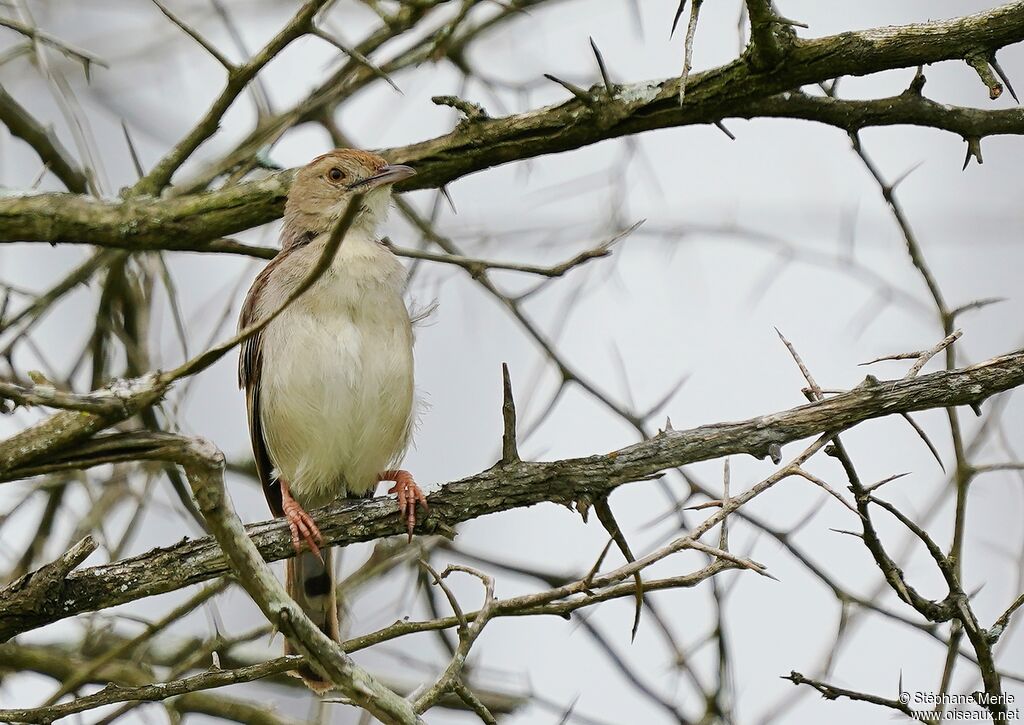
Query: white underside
{"x": 337, "y": 382}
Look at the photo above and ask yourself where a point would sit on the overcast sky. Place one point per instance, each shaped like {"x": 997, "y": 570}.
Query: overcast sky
{"x": 740, "y": 237}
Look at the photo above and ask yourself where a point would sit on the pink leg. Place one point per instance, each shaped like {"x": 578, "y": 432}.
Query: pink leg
{"x": 409, "y": 494}
{"x": 300, "y": 523}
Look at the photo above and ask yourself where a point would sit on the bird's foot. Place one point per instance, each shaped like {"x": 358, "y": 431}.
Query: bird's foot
{"x": 409, "y": 494}
{"x": 300, "y": 523}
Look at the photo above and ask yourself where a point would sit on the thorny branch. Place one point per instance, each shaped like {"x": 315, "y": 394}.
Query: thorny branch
{"x": 505, "y": 486}
{"x": 188, "y": 221}
{"x": 194, "y": 200}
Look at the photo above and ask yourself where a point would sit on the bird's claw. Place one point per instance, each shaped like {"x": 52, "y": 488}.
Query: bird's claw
{"x": 302, "y": 526}
{"x": 409, "y": 495}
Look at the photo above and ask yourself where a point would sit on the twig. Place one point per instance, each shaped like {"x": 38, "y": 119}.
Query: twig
{"x": 39, "y": 36}
{"x": 831, "y": 692}
{"x": 196, "y": 36}
{"x": 468, "y": 633}
{"x": 44, "y": 141}
{"x": 691, "y": 32}
{"x": 927, "y": 355}
{"x": 112, "y": 694}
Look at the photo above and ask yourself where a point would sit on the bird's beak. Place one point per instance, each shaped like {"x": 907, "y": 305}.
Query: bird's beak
{"x": 390, "y": 174}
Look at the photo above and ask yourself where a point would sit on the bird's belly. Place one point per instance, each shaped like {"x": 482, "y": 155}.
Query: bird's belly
{"x": 336, "y": 396}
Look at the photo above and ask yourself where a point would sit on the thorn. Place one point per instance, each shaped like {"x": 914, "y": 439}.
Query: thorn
{"x": 509, "y": 449}
{"x": 597, "y": 564}
{"x": 976, "y": 305}
{"x": 358, "y": 57}
{"x": 679, "y": 14}
{"x": 790, "y": 22}
{"x": 976, "y": 407}
{"x": 999, "y": 71}
{"x": 131, "y": 150}
{"x": 705, "y": 505}
{"x": 924, "y": 437}
{"x": 903, "y": 177}
{"x": 831, "y": 88}
{"x": 37, "y": 181}
{"x": 721, "y": 127}
{"x": 609, "y": 86}
{"x": 775, "y": 453}
{"x": 192, "y": 33}
{"x": 448, "y": 197}
{"x": 607, "y": 519}
{"x": 973, "y": 149}
{"x": 884, "y": 481}
{"x": 581, "y": 95}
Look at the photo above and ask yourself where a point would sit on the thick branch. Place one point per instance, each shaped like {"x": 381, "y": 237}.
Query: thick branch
{"x": 191, "y": 221}
{"x": 500, "y": 488}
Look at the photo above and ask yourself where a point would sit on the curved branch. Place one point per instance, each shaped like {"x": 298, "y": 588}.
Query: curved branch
{"x": 204, "y": 467}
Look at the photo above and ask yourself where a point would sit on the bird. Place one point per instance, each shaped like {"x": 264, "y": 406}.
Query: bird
{"x": 329, "y": 381}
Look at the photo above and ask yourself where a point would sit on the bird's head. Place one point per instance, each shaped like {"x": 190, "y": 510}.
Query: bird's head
{"x": 323, "y": 188}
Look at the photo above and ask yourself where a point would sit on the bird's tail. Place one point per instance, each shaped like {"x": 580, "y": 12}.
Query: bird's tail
{"x": 310, "y": 582}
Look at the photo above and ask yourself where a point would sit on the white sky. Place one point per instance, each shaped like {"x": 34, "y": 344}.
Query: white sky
{"x": 669, "y": 303}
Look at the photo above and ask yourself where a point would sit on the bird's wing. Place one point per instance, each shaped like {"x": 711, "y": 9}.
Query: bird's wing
{"x": 250, "y": 369}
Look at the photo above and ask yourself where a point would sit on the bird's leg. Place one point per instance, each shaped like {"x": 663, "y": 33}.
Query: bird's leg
{"x": 300, "y": 523}
{"x": 409, "y": 494}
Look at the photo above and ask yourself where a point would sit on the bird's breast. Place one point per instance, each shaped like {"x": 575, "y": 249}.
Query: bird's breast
{"x": 337, "y": 383}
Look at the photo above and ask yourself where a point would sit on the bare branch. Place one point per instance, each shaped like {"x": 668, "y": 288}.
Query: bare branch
{"x": 45, "y": 143}
{"x": 498, "y": 489}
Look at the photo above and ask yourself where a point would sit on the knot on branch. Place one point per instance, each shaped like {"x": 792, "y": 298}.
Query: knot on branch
{"x": 916, "y": 87}
{"x": 471, "y": 111}
{"x": 771, "y": 36}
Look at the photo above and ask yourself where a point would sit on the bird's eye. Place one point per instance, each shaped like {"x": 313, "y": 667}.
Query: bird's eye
{"x": 336, "y": 174}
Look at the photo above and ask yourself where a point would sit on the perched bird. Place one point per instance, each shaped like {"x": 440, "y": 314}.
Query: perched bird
{"x": 329, "y": 381}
